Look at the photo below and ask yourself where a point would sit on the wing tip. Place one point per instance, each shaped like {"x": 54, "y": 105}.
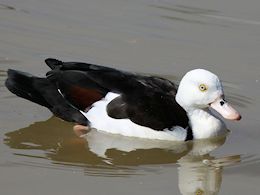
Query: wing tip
{"x": 53, "y": 63}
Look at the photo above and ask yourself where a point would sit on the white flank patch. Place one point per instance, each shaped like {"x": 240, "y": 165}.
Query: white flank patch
{"x": 99, "y": 120}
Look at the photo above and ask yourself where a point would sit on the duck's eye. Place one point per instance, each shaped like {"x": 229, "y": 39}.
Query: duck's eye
{"x": 203, "y": 87}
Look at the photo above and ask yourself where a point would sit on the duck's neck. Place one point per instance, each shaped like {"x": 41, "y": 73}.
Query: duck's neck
{"x": 204, "y": 124}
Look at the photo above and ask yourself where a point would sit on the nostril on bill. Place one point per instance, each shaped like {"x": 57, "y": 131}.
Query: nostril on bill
{"x": 222, "y": 103}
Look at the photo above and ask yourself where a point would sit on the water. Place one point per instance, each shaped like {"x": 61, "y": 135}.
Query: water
{"x": 39, "y": 154}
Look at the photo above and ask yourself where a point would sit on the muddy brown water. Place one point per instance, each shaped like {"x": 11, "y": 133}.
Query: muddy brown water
{"x": 39, "y": 154}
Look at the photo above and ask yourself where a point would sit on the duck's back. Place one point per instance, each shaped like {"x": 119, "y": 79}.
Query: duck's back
{"x": 74, "y": 88}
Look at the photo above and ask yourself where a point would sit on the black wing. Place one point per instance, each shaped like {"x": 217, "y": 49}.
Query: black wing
{"x": 45, "y": 93}
{"x": 145, "y": 100}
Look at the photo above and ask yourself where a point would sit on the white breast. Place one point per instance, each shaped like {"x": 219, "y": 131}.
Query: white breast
{"x": 99, "y": 120}
{"x": 205, "y": 125}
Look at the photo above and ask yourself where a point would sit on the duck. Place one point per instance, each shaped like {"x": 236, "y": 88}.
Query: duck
{"x": 129, "y": 104}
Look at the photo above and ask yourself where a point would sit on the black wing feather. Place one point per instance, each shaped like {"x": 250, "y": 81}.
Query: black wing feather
{"x": 45, "y": 93}
{"x": 146, "y": 100}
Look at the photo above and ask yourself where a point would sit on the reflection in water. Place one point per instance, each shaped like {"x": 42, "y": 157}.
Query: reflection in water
{"x": 110, "y": 155}
{"x": 202, "y": 174}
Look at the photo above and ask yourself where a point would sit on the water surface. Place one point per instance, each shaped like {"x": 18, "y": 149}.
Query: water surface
{"x": 39, "y": 154}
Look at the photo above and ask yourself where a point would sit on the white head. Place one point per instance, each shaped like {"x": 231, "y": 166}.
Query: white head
{"x": 200, "y": 89}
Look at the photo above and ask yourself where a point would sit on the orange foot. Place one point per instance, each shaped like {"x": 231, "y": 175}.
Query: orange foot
{"x": 81, "y": 130}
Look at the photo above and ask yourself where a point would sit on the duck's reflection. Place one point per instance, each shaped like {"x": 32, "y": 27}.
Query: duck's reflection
{"x": 198, "y": 171}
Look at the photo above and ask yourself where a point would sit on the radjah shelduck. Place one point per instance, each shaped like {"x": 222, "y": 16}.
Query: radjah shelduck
{"x": 130, "y": 104}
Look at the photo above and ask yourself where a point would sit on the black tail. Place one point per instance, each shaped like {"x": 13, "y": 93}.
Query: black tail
{"x": 43, "y": 92}
{"x": 22, "y": 85}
